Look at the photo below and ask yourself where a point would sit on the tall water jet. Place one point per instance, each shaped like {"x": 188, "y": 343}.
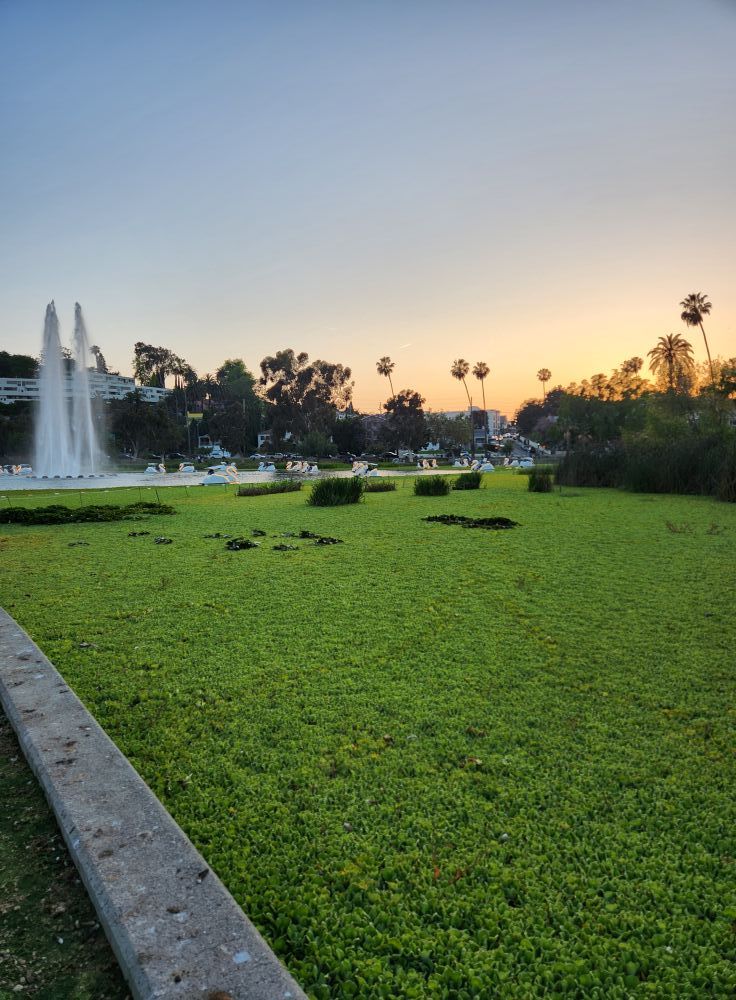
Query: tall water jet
{"x": 52, "y": 433}
{"x": 65, "y": 440}
{"x": 85, "y": 452}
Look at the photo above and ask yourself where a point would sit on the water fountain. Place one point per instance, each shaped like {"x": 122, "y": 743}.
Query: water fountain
{"x": 84, "y": 440}
{"x": 65, "y": 440}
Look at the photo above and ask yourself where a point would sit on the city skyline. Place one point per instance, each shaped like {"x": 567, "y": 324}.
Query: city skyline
{"x": 532, "y": 186}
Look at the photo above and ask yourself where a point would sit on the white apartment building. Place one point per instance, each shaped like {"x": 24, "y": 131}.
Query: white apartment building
{"x": 495, "y": 420}
{"x": 13, "y": 390}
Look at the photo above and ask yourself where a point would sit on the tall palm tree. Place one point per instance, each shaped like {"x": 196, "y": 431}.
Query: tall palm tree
{"x": 210, "y": 386}
{"x": 459, "y": 370}
{"x": 694, "y": 307}
{"x": 99, "y": 358}
{"x": 672, "y": 354}
{"x": 481, "y": 372}
{"x": 544, "y": 375}
{"x": 384, "y": 366}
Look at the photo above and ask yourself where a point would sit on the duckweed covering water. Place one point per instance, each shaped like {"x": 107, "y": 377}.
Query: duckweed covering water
{"x": 427, "y": 762}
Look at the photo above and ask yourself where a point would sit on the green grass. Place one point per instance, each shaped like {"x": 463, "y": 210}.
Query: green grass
{"x": 51, "y": 945}
{"x": 429, "y": 762}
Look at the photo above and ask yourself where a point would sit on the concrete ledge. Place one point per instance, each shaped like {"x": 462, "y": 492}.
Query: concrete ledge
{"x": 175, "y": 929}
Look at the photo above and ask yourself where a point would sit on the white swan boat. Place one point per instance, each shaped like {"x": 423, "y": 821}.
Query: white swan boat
{"x": 304, "y": 468}
{"x": 220, "y": 475}
{"x": 364, "y": 469}
{"x": 16, "y": 470}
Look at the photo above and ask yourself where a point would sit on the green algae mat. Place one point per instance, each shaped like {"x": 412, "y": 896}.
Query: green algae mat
{"x": 428, "y": 761}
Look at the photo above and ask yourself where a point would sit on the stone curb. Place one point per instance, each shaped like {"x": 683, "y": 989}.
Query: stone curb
{"x": 175, "y": 929}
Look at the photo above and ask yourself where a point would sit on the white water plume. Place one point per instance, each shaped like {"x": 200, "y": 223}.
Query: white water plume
{"x": 65, "y": 440}
{"x": 85, "y": 453}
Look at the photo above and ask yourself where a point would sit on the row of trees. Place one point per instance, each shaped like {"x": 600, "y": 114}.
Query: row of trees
{"x": 673, "y": 369}
{"x": 603, "y": 408}
{"x": 307, "y": 404}
{"x": 304, "y": 404}
{"x": 409, "y": 408}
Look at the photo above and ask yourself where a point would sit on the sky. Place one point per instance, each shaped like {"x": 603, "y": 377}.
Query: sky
{"x": 532, "y": 183}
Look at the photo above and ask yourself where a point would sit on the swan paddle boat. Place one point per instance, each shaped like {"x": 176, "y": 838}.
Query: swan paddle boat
{"x": 23, "y": 470}
{"x": 220, "y": 475}
{"x": 365, "y": 469}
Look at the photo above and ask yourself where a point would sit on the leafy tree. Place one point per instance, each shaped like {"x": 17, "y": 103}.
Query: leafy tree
{"x": 152, "y": 364}
{"x": 544, "y": 375}
{"x": 600, "y": 387}
{"x": 694, "y": 307}
{"x": 302, "y": 396}
{"x": 17, "y": 365}
{"x": 138, "y": 426}
{"x": 727, "y": 380}
{"x": 528, "y": 416}
{"x": 672, "y": 355}
{"x": 234, "y": 380}
{"x": 451, "y": 433}
{"x": 592, "y": 419}
{"x": 316, "y": 444}
{"x": 16, "y": 428}
{"x": 385, "y": 366}
{"x": 349, "y": 435}
{"x": 236, "y": 387}
{"x": 406, "y": 425}
{"x": 236, "y": 426}
{"x": 625, "y": 381}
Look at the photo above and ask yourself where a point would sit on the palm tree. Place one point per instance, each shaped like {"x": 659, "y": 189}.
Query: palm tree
{"x": 459, "y": 370}
{"x": 210, "y": 386}
{"x": 544, "y": 375}
{"x": 384, "y": 366}
{"x": 99, "y": 358}
{"x": 627, "y": 381}
{"x": 632, "y": 366}
{"x": 481, "y": 372}
{"x": 694, "y": 307}
{"x": 672, "y": 354}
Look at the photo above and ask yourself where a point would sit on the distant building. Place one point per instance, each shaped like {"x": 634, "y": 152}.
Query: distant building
{"x": 102, "y": 386}
{"x": 264, "y": 437}
{"x": 495, "y": 422}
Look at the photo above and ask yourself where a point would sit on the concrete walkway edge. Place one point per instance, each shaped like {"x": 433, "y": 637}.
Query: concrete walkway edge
{"x": 175, "y": 929}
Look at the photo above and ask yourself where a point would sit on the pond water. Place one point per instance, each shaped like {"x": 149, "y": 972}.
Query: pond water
{"x": 123, "y": 479}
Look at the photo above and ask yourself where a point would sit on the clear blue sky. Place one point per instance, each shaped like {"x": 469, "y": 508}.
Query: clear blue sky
{"x": 530, "y": 183}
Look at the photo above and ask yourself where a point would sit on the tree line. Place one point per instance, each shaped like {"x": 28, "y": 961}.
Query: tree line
{"x": 605, "y": 408}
